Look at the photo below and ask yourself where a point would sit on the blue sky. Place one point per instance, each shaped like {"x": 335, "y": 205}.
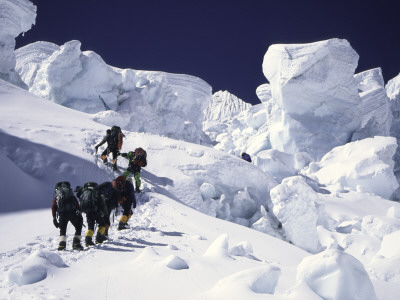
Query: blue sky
{"x": 222, "y": 42}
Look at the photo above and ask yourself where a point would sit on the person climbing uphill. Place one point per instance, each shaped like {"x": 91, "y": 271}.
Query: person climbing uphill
{"x": 66, "y": 207}
{"x": 128, "y": 200}
{"x": 112, "y": 197}
{"x": 93, "y": 205}
{"x": 114, "y": 139}
{"x": 137, "y": 160}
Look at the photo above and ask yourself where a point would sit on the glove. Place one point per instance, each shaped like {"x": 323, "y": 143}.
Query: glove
{"x": 56, "y": 224}
{"x": 97, "y": 147}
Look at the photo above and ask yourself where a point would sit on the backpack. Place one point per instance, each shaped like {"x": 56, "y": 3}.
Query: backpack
{"x": 119, "y": 183}
{"x": 140, "y": 157}
{"x": 64, "y": 197}
{"x": 246, "y": 157}
{"x": 89, "y": 197}
{"x": 110, "y": 194}
{"x": 116, "y": 137}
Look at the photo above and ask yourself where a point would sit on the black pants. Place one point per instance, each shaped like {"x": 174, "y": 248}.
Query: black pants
{"x": 94, "y": 217}
{"x": 126, "y": 206}
{"x": 75, "y": 219}
{"x": 108, "y": 151}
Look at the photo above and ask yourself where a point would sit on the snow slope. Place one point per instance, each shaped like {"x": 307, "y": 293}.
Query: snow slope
{"x": 172, "y": 250}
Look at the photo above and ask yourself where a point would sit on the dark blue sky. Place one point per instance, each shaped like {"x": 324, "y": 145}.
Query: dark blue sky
{"x": 222, "y": 42}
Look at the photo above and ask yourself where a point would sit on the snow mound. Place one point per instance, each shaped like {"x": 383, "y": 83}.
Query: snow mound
{"x": 219, "y": 248}
{"x": 365, "y": 165}
{"x": 175, "y": 262}
{"x": 36, "y": 267}
{"x": 297, "y": 206}
{"x": 390, "y": 246}
{"x": 336, "y": 275}
{"x": 16, "y": 16}
{"x": 379, "y": 226}
{"x": 314, "y": 96}
{"x": 260, "y": 280}
{"x": 386, "y": 263}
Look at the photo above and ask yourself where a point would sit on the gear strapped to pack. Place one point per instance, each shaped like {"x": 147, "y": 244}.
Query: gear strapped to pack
{"x": 140, "y": 157}
{"x": 119, "y": 183}
{"x": 64, "y": 197}
{"x": 89, "y": 197}
{"x": 116, "y": 137}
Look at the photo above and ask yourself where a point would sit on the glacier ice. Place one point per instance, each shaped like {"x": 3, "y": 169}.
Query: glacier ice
{"x": 143, "y": 101}
{"x": 314, "y": 94}
{"x": 16, "y": 17}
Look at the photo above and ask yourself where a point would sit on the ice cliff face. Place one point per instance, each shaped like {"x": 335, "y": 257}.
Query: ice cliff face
{"x": 16, "y": 17}
{"x": 155, "y": 102}
{"x": 313, "y": 103}
{"x": 314, "y": 96}
{"x": 374, "y": 109}
{"x": 393, "y": 92}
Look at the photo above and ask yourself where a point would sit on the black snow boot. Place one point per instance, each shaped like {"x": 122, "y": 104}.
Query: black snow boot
{"x": 63, "y": 243}
{"x": 122, "y": 226}
{"x": 76, "y": 243}
{"x": 100, "y": 238}
{"x": 89, "y": 241}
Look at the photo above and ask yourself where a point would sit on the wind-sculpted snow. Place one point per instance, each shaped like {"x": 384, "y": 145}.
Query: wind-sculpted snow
{"x": 30, "y": 58}
{"x": 365, "y": 165}
{"x": 336, "y": 275}
{"x": 42, "y": 142}
{"x": 264, "y": 92}
{"x": 375, "y": 112}
{"x": 36, "y": 267}
{"x": 314, "y": 95}
{"x": 144, "y": 101}
{"x": 16, "y": 17}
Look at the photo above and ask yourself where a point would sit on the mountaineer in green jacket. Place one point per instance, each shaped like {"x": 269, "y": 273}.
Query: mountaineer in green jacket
{"x": 137, "y": 160}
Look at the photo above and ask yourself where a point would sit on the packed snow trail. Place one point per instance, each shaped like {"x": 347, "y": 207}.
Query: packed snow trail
{"x": 165, "y": 237}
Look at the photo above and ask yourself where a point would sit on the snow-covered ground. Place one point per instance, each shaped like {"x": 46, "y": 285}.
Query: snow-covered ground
{"x": 172, "y": 249}
{"x": 310, "y": 219}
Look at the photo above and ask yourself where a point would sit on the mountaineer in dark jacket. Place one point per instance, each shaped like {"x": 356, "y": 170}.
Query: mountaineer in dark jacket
{"x": 125, "y": 187}
{"x": 93, "y": 205}
{"x": 112, "y": 198}
{"x": 114, "y": 140}
{"x": 66, "y": 207}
